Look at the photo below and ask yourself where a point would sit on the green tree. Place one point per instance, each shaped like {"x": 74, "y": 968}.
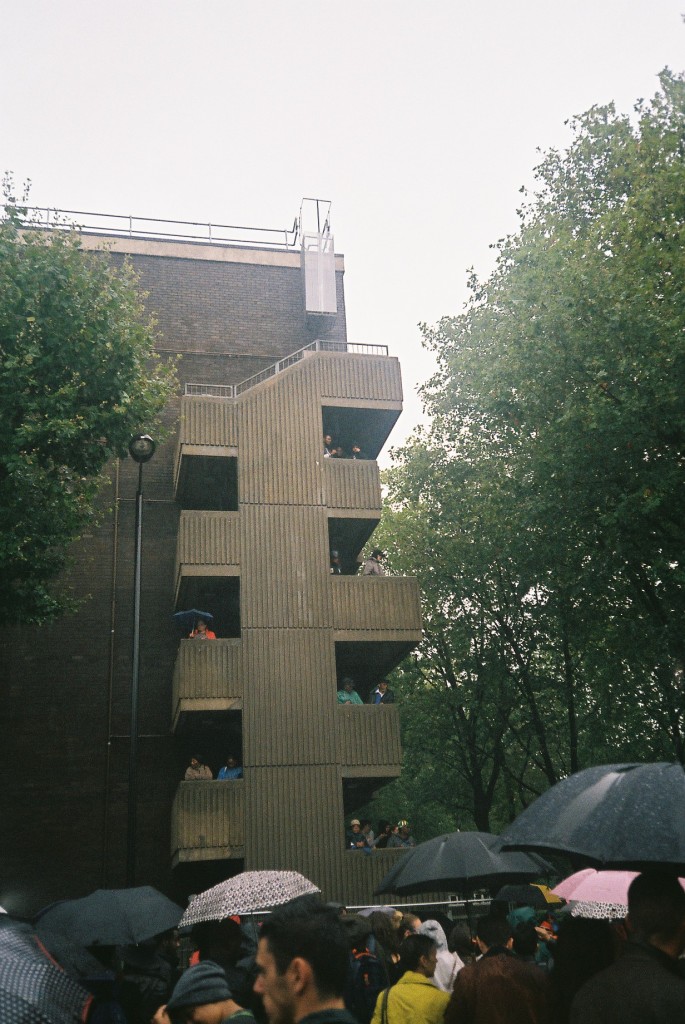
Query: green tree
{"x": 78, "y": 377}
{"x": 542, "y": 509}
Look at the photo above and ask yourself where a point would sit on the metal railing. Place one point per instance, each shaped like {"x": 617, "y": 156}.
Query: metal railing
{"x": 233, "y": 390}
{"x": 129, "y": 226}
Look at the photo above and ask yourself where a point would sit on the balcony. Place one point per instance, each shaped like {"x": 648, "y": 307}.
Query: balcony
{"x": 207, "y": 822}
{"x": 207, "y": 430}
{"x": 368, "y": 740}
{"x": 352, "y": 488}
{"x": 208, "y": 547}
{"x": 207, "y": 681}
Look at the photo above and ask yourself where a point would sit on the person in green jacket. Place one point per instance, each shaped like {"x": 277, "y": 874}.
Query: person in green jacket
{"x": 348, "y": 694}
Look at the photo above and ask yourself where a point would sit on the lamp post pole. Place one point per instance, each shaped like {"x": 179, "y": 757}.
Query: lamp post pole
{"x": 141, "y": 449}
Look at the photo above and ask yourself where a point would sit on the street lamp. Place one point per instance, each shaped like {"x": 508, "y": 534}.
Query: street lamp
{"x": 141, "y": 448}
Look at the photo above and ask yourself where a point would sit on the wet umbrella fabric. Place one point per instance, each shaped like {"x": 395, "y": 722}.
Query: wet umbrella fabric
{"x": 186, "y": 620}
{"x": 111, "y": 917}
{"x": 459, "y": 860}
{"x": 615, "y": 816}
{"x": 602, "y": 894}
{"x": 247, "y": 893}
{"x": 34, "y": 990}
{"x": 535, "y": 896}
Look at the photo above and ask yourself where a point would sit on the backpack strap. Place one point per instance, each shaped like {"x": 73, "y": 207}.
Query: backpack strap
{"x": 384, "y": 1006}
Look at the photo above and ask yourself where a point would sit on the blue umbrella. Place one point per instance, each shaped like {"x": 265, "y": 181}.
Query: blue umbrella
{"x": 187, "y": 619}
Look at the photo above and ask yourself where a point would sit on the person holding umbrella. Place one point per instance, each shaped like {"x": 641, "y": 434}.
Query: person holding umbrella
{"x": 200, "y": 632}
{"x": 644, "y": 984}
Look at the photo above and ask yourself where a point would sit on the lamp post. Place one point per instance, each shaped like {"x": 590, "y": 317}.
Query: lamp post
{"x": 141, "y": 448}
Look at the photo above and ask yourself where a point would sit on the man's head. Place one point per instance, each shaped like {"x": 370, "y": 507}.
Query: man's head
{"x": 355, "y": 825}
{"x": 378, "y": 554}
{"x": 419, "y": 953}
{"x": 493, "y": 931}
{"x": 231, "y": 761}
{"x": 327, "y": 440}
{"x": 656, "y": 911}
{"x": 201, "y": 996}
{"x": 302, "y": 961}
{"x": 383, "y": 685}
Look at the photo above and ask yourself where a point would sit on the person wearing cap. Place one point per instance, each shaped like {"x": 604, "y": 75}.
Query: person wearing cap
{"x": 355, "y": 838}
{"x": 372, "y": 565}
{"x": 348, "y": 694}
{"x": 382, "y": 694}
{"x": 403, "y": 837}
{"x": 202, "y": 996}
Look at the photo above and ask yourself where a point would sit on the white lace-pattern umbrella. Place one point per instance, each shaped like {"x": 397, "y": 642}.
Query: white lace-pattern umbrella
{"x": 247, "y": 893}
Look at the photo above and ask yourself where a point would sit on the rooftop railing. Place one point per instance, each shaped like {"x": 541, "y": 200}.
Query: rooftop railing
{"x": 130, "y": 226}
{"x": 233, "y": 390}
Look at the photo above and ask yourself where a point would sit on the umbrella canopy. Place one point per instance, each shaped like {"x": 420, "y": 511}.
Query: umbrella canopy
{"x": 598, "y": 893}
{"x": 34, "y": 990}
{"x": 111, "y": 917}
{"x": 247, "y": 893}
{"x": 537, "y": 896}
{"x": 457, "y": 861}
{"x": 614, "y": 815}
{"x": 186, "y": 620}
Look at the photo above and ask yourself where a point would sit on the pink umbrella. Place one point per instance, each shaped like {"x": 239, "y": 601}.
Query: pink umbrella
{"x": 591, "y": 886}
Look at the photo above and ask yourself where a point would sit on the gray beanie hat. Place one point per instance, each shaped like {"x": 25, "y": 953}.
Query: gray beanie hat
{"x": 203, "y": 983}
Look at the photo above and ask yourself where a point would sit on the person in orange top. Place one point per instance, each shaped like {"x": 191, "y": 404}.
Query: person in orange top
{"x": 201, "y": 632}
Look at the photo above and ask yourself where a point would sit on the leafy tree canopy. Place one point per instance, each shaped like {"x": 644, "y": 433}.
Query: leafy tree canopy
{"x": 78, "y": 377}
{"x": 543, "y": 508}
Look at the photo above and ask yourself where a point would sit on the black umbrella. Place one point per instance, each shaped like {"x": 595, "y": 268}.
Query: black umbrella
{"x": 186, "y": 620}
{"x": 460, "y": 860}
{"x": 623, "y": 816}
{"x": 529, "y": 895}
{"x": 33, "y": 989}
{"x": 110, "y": 917}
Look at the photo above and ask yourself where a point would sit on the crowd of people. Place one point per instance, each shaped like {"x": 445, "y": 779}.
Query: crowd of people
{"x": 312, "y": 963}
{"x": 359, "y": 836}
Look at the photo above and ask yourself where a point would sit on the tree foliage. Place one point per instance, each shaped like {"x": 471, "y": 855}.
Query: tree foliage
{"x": 543, "y": 508}
{"x": 78, "y": 377}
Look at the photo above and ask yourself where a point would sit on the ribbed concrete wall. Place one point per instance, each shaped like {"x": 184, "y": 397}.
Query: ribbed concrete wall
{"x": 292, "y": 817}
{"x": 285, "y": 568}
{"x": 208, "y": 421}
{"x": 289, "y": 704}
{"x": 207, "y": 820}
{"x": 368, "y": 736}
{"x": 359, "y": 377}
{"x": 209, "y": 669}
{"x": 352, "y": 485}
{"x": 384, "y": 604}
{"x": 280, "y": 441}
{"x": 208, "y": 538}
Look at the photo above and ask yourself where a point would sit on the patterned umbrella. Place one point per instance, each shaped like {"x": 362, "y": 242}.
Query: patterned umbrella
{"x": 247, "y": 893}
{"x": 598, "y": 894}
{"x": 33, "y": 989}
{"x": 111, "y": 917}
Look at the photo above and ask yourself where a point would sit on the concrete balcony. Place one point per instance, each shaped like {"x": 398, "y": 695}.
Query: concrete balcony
{"x": 207, "y": 680}
{"x": 208, "y": 545}
{"x": 376, "y": 607}
{"x": 352, "y": 487}
{"x": 207, "y": 821}
{"x": 368, "y": 740}
{"x": 207, "y": 429}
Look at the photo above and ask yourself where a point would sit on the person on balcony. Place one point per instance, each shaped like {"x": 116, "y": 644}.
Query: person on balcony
{"x": 356, "y": 452}
{"x": 201, "y": 632}
{"x": 355, "y": 838}
{"x": 373, "y": 564}
{"x": 197, "y": 770}
{"x": 403, "y": 838}
{"x": 382, "y": 694}
{"x": 328, "y": 448}
{"x": 336, "y": 563}
{"x": 348, "y": 694}
{"x": 231, "y": 770}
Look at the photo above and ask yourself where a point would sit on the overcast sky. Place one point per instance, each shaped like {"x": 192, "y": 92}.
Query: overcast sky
{"x": 419, "y": 120}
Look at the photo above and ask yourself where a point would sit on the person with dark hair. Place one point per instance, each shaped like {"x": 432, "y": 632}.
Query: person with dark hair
{"x": 224, "y": 943}
{"x": 583, "y": 948}
{"x": 302, "y": 965}
{"x": 201, "y": 632}
{"x": 231, "y": 770}
{"x": 387, "y": 943}
{"x": 643, "y": 985}
{"x": 382, "y": 694}
{"x": 448, "y": 964}
{"x": 499, "y": 988}
{"x": 414, "y": 999}
{"x": 403, "y": 838}
{"x": 196, "y": 770}
{"x": 347, "y": 694}
{"x": 373, "y": 565}
{"x": 461, "y": 942}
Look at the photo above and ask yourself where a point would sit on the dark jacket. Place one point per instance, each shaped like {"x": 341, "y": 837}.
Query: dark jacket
{"x": 642, "y": 987}
{"x": 500, "y": 989}
{"x": 386, "y": 698}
